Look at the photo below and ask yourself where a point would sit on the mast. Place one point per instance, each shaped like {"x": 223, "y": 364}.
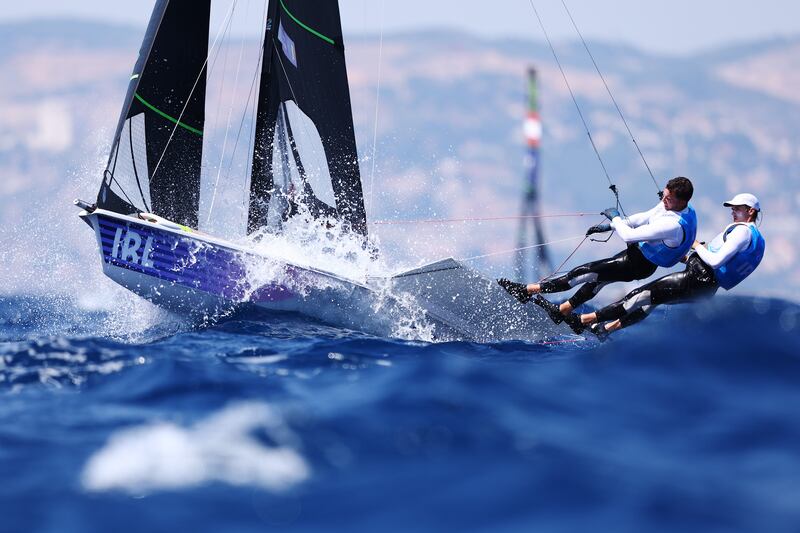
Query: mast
{"x": 156, "y": 155}
{"x": 304, "y": 61}
{"x": 261, "y": 179}
{"x": 530, "y": 232}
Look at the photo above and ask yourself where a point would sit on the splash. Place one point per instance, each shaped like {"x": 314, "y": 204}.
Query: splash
{"x": 52, "y": 271}
{"x": 55, "y": 259}
{"x": 341, "y": 278}
{"x": 408, "y": 320}
{"x": 320, "y": 243}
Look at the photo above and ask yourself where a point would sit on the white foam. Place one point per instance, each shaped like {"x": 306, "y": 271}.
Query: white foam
{"x": 221, "y": 448}
{"x": 408, "y": 318}
{"x": 329, "y": 247}
{"x": 316, "y": 244}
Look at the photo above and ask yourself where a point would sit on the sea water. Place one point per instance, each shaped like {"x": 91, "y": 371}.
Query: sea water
{"x": 273, "y": 421}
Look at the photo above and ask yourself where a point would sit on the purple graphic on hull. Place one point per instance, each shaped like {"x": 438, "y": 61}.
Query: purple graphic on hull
{"x": 271, "y": 293}
{"x": 184, "y": 261}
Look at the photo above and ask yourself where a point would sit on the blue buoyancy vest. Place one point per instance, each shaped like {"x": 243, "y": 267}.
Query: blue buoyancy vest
{"x": 744, "y": 262}
{"x": 665, "y": 256}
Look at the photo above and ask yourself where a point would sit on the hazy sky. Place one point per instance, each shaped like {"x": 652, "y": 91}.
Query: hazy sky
{"x": 669, "y": 26}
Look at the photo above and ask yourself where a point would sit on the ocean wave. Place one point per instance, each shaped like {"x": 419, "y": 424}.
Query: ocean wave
{"x": 685, "y": 421}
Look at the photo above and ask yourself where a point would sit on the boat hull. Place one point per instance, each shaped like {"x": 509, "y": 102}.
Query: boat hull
{"x": 197, "y": 275}
{"x": 177, "y": 270}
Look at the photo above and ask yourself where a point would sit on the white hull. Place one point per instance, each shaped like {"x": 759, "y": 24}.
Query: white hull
{"x": 193, "y": 274}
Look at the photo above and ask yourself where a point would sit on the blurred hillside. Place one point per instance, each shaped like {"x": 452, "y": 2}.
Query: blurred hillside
{"x": 448, "y": 140}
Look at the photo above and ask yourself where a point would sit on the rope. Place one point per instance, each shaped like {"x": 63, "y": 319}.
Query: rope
{"x": 578, "y": 107}
{"x": 565, "y": 260}
{"x": 254, "y": 117}
{"x": 312, "y": 153}
{"x": 475, "y": 219}
{"x": 230, "y": 114}
{"x": 563, "y": 2}
{"x": 196, "y": 81}
{"x": 526, "y": 248}
{"x": 377, "y": 106}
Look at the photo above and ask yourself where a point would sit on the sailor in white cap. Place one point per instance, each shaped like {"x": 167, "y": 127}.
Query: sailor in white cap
{"x": 729, "y": 258}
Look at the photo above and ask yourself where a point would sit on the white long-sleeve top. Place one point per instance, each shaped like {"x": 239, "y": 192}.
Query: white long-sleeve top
{"x": 724, "y": 248}
{"x": 657, "y": 224}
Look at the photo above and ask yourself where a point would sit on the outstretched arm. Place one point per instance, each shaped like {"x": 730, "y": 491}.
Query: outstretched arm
{"x": 737, "y": 240}
{"x": 661, "y": 228}
{"x": 637, "y": 219}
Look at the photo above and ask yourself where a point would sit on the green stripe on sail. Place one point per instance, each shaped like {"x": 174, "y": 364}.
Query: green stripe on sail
{"x": 315, "y": 32}
{"x": 171, "y": 119}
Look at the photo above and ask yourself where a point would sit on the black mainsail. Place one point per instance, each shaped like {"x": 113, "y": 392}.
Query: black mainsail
{"x": 155, "y": 159}
{"x": 304, "y": 62}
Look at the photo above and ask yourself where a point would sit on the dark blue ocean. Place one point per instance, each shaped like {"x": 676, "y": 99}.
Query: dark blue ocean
{"x": 268, "y": 421}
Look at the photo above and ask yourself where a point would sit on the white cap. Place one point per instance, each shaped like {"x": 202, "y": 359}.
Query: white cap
{"x": 744, "y": 198}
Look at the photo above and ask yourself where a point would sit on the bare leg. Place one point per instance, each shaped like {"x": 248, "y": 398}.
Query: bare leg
{"x": 565, "y": 308}
{"x": 588, "y": 318}
{"x": 534, "y": 288}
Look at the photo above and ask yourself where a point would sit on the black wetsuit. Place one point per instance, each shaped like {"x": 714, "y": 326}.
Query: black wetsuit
{"x": 628, "y": 265}
{"x": 695, "y": 281}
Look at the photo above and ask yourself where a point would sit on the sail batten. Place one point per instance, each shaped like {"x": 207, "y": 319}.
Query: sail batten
{"x": 166, "y": 116}
{"x": 305, "y": 27}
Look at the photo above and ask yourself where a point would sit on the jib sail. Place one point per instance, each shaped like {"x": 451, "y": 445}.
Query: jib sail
{"x": 154, "y": 164}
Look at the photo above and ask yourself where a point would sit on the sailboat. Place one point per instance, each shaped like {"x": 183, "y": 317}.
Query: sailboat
{"x": 145, "y": 217}
{"x": 530, "y": 234}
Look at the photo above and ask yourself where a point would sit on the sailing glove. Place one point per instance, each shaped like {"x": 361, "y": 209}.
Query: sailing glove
{"x": 610, "y": 213}
{"x": 599, "y": 228}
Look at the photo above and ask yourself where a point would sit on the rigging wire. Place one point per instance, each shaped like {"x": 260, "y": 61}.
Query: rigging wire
{"x": 109, "y": 174}
{"x": 526, "y": 248}
{"x": 254, "y": 117}
{"x": 112, "y": 178}
{"x": 224, "y": 24}
{"x": 133, "y": 164}
{"x": 619, "y": 110}
{"x": 230, "y": 114}
{"x": 612, "y": 187}
{"x": 474, "y": 219}
{"x": 377, "y": 107}
{"x": 564, "y": 262}
{"x": 225, "y": 37}
{"x": 308, "y": 135}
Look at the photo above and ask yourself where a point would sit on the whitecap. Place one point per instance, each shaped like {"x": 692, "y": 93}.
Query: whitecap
{"x": 222, "y": 448}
